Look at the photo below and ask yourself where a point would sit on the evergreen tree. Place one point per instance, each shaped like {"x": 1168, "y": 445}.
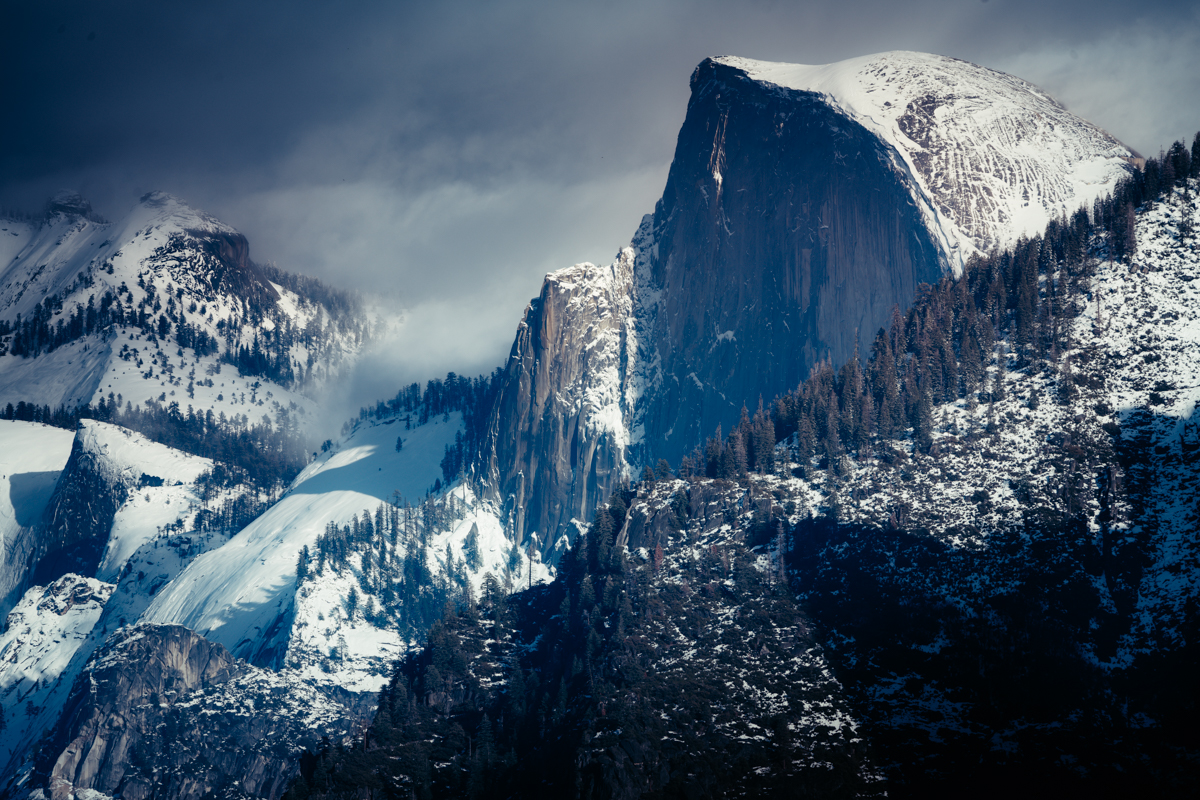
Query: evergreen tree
{"x": 471, "y": 549}
{"x": 972, "y": 362}
{"x": 923, "y": 429}
{"x": 662, "y": 470}
{"x": 302, "y": 565}
{"x": 763, "y": 436}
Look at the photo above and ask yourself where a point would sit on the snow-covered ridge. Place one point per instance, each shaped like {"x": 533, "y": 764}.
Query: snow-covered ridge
{"x": 992, "y": 157}
{"x": 245, "y": 594}
{"x": 161, "y": 485}
{"x": 143, "y": 309}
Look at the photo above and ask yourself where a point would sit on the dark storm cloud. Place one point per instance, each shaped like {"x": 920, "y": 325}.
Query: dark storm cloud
{"x": 448, "y": 154}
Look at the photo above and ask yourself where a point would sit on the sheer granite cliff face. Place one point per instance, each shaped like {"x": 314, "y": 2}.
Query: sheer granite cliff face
{"x": 557, "y": 434}
{"x": 785, "y": 229}
{"x": 802, "y": 205}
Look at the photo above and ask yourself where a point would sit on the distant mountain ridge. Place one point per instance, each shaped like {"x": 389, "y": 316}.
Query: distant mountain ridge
{"x": 89, "y": 308}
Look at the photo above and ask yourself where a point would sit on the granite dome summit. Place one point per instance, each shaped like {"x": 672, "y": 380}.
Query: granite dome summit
{"x": 802, "y": 205}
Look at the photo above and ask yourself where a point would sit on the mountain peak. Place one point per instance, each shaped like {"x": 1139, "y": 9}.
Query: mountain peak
{"x": 163, "y": 208}
{"x": 158, "y": 199}
{"x": 994, "y": 156}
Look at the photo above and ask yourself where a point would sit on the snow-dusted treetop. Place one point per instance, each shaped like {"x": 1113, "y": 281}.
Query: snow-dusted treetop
{"x": 993, "y": 157}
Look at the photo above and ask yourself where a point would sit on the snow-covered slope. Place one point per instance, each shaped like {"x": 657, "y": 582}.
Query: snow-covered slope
{"x": 14, "y": 236}
{"x": 992, "y": 157}
{"x": 244, "y": 594}
{"x": 31, "y": 458}
{"x": 1142, "y": 337}
{"x": 38, "y": 647}
{"x": 152, "y": 534}
{"x": 181, "y": 287}
{"x": 118, "y": 492}
{"x": 162, "y": 483}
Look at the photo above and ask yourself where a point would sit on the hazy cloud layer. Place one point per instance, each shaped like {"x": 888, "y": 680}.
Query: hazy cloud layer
{"x": 446, "y": 155}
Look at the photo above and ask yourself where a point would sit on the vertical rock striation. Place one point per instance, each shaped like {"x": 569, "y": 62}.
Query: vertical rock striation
{"x": 803, "y": 204}
{"x": 557, "y": 435}
{"x": 784, "y": 231}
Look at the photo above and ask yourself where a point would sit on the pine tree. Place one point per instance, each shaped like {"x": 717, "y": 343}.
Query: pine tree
{"x": 885, "y": 385}
{"x": 302, "y": 565}
{"x": 971, "y": 362}
{"x": 764, "y": 441}
{"x": 738, "y": 459}
{"x": 471, "y": 553}
{"x": 485, "y": 744}
{"x": 1168, "y": 171}
{"x": 712, "y": 454}
{"x": 833, "y": 500}
{"x": 600, "y": 540}
{"x": 923, "y": 429}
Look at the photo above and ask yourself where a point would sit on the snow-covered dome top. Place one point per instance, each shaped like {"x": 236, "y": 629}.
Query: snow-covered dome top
{"x": 164, "y": 209}
{"x": 996, "y": 155}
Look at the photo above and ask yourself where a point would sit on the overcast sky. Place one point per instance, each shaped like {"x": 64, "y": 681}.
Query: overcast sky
{"x": 449, "y": 154}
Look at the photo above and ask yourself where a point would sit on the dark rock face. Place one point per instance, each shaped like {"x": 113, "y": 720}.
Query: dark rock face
{"x": 162, "y": 712}
{"x": 554, "y": 455}
{"x": 212, "y": 262}
{"x": 226, "y": 268}
{"x": 69, "y": 203}
{"x": 80, "y": 515}
{"x": 785, "y": 230}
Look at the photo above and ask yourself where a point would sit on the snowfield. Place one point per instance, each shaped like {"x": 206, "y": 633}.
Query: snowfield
{"x": 244, "y": 595}
{"x": 130, "y": 458}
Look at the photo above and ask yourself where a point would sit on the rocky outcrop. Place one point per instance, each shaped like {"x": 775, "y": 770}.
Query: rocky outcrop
{"x": 162, "y": 712}
{"x": 784, "y": 230}
{"x": 802, "y": 205}
{"x": 209, "y": 259}
{"x": 81, "y": 511}
{"x": 43, "y": 645}
{"x": 71, "y": 204}
{"x": 557, "y": 435}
